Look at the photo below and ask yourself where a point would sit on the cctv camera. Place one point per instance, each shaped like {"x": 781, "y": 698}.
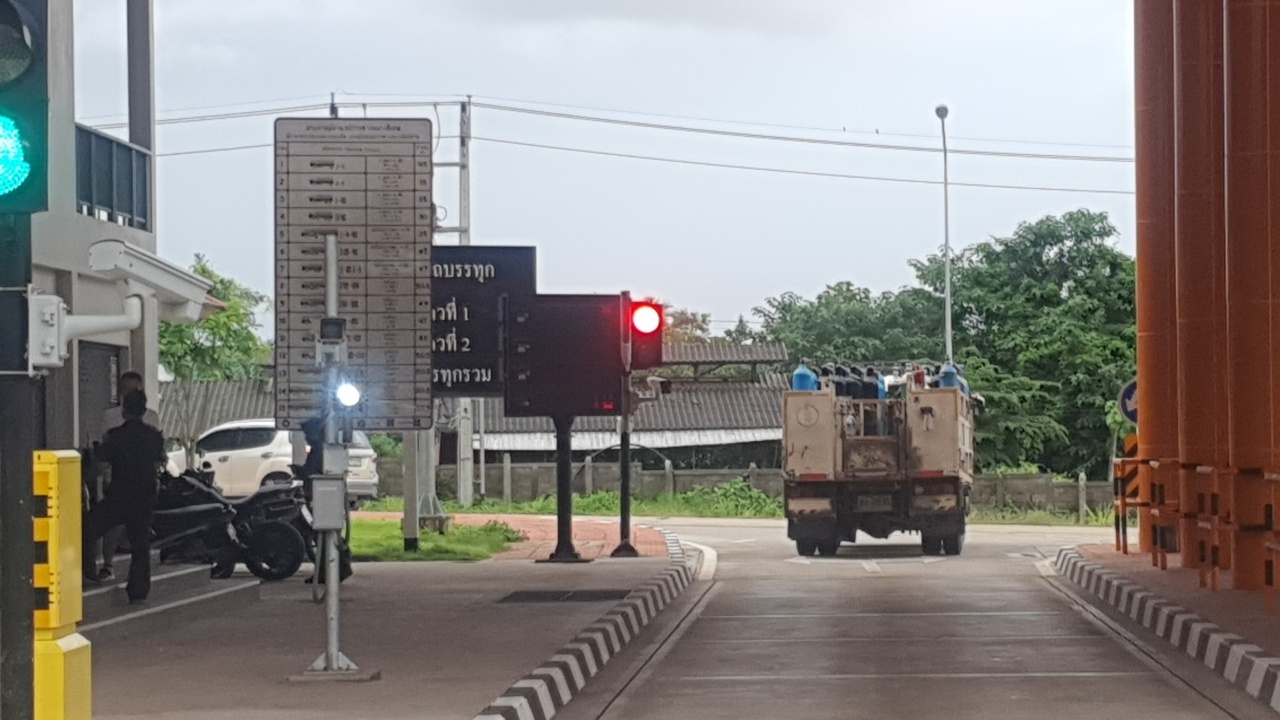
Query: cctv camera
{"x": 181, "y": 294}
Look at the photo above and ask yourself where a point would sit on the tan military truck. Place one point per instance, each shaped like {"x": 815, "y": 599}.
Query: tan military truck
{"x": 899, "y": 464}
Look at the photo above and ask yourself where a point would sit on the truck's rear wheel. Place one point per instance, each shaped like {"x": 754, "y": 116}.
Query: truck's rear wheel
{"x": 829, "y": 549}
{"x": 806, "y": 547}
{"x": 931, "y": 544}
{"x": 953, "y": 544}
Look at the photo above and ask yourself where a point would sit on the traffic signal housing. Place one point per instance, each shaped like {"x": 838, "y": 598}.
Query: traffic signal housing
{"x": 24, "y": 107}
{"x": 645, "y": 323}
{"x": 561, "y": 357}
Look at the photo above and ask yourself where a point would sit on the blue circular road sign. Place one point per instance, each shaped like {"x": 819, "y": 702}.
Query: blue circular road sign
{"x": 1129, "y": 401}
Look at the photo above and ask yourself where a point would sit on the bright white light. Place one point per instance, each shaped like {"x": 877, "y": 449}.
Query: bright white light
{"x": 348, "y": 395}
{"x": 646, "y": 318}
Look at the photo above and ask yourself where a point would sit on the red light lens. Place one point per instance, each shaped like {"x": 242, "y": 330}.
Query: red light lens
{"x": 646, "y": 319}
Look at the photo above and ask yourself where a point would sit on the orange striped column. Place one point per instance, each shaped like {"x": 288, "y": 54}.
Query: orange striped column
{"x": 1156, "y": 278}
{"x": 1248, "y": 287}
{"x": 1198, "y": 131}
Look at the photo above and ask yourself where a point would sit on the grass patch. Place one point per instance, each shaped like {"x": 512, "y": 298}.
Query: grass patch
{"x": 734, "y": 499}
{"x": 384, "y": 504}
{"x": 1104, "y": 517}
{"x": 383, "y": 541}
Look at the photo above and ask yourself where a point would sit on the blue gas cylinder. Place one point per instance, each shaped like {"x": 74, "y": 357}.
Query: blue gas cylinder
{"x": 950, "y": 377}
{"x": 804, "y": 379}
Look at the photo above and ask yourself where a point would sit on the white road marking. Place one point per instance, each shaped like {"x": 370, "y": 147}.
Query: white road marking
{"x": 799, "y": 561}
{"x": 765, "y": 616}
{"x": 871, "y": 566}
{"x": 878, "y": 676}
{"x": 710, "y": 560}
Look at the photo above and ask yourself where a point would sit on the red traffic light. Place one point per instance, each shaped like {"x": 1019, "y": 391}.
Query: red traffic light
{"x": 646, "y": 318}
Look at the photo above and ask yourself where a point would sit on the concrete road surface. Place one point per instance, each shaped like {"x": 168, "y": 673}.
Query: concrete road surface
{"x": 882, "y": 632}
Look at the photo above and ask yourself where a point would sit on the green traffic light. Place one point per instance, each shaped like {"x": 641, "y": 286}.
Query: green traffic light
{"x": 14, "y": 168}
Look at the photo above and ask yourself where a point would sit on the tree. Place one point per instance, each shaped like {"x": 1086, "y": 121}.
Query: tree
{"x": 1044, "y": 328}
{"x": 1053, "y": 303}
{"x": 223, "y": 346}
{"x": 846, "y": 323}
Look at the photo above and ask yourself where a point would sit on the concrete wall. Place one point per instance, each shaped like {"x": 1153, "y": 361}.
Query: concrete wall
{"x": 530, "y": 481}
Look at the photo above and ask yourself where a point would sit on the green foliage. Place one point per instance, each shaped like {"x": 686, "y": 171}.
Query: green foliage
{"x": 735, "y": 498}
{"x": 387, "y": 446}
{"x": 1043, "y": 324}
{"x": 223, "y": 346}
{"x": 382, "y": 540}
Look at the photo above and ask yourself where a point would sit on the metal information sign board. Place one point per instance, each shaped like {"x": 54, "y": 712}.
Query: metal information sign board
{"x": 468, "y": 284}
{"x": 369, "y": 182}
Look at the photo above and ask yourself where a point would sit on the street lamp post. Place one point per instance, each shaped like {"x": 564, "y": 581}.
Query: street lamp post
{"x": 941, "y": 112}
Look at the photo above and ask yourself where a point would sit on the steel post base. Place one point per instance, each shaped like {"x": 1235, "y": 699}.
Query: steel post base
{"x": 624, "y": 550}
{"x": 565, "y": 553}
{"x": 346, "y": 671}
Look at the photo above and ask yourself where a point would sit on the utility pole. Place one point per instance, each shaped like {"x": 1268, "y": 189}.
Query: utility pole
{"x": 466, "y": 428}
{"x": 942, "y": 112}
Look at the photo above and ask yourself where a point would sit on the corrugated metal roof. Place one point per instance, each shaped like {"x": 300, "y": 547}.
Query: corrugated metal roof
{"x": 192, "y": 407}
{"x": 593, "y": 440}
{"x": 189, "y": 408}
{"x": 717, "y": 353}
{"x": 689, "y": 406}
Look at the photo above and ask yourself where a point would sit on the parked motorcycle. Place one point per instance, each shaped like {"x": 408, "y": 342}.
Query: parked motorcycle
{"x": 196, "y": 523}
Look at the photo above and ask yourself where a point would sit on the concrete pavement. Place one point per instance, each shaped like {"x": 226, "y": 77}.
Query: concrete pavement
{"x": 447, "y": 637}
{"x": 883, "y": 632}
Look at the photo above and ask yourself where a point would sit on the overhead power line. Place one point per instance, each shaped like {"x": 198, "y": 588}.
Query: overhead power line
{"x": 703, "y": 163}
{"x": 810, "y": 173}
{"x": 797, "y": 139}
{"x": 695, "y": 118}
{"x": 317, "y": 107}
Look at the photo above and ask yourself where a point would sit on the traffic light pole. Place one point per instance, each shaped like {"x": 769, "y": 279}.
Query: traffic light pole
{"x": 625, "y": 548}
{"x": 19, "y": 436}
{"x": 565, "y": 551}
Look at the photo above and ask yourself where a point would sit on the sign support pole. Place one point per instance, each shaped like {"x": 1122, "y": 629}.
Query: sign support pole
{"x": 625, "y": 548}
{"x": 565, "y": 551}
{"x": 332, "y": 664}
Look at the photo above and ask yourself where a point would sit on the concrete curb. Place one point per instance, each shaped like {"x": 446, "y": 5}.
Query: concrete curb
{"x": 1239, "y": 662}
{"x": 538, "y": 695}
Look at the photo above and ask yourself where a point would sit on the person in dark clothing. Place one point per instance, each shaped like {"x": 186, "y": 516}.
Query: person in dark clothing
{"x": 135, "y": 452}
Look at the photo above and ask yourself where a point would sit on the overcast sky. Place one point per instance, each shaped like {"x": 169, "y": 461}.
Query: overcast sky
{"x": 1054, "y": 75}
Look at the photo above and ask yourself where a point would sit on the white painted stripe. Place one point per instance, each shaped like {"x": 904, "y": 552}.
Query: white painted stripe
{"x": 1148, "y": 615}
{"x": 707, "y": 571}
{"x": 575, "y": 668}
{"x": 1012, "y": 613}
{"x": 611, "y": 635}
{"x": 488, "y": 716}
{"x": 871, "y": 566}
{"x": 587, "y": 655}
{"x": 1138, "y": 602}
{"x": 1193, "y": 639}
{"x": 169, "y": 606}
{"x": 1234, "y": 657}
{"x": 556, "y": 675}
{"x": 1180, "y": 621}
{"x": 1216, "y": 641}
{"x": 1126, "y": 596}
{"x": 1162, "y": 622}
{"x": 597, "y": 637}
{"x": 523, "y": 711}
{"x": 1046, "y": 569}
{"x": 878, "y": 676}
{"x": 1275, "y": 697}
{"x": 544, "y": 695}
{"x": 881, "y": 639}
{"x": 1258, "y": 674}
